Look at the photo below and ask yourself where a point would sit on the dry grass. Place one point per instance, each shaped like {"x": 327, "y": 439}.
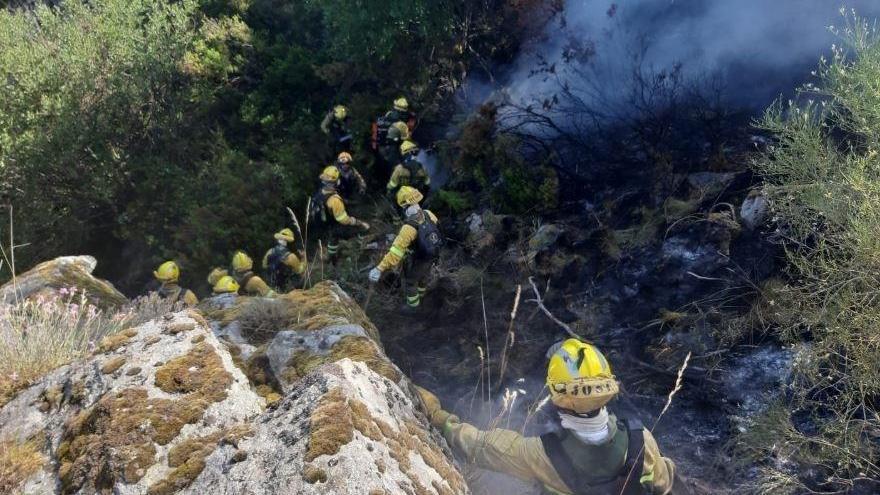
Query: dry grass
{"x": 40, "y": 334}
{"x": 18, "y": 462}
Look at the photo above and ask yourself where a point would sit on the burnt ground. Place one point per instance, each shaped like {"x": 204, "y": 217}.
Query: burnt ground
{"x": 645, "y": 303}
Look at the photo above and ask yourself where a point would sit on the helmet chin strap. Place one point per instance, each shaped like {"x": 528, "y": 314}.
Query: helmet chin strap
{"x": 590, "y": 430}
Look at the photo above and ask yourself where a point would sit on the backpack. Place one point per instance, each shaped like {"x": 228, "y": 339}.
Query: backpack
{"x": 627, "y": 482}
{"x": 276, "y": 269}
{"x": 175, "y": 294}
{"x": 430, "y": 239}
{"x": 318, "y": 208}
{"x": 243, "y": 279}
{"x": 382, "y": 125}
{"x": 414, "y": 167}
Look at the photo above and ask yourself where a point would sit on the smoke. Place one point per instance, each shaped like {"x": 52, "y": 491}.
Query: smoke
{"x": 439, "y": 174}
{"x": 755, "y": 49}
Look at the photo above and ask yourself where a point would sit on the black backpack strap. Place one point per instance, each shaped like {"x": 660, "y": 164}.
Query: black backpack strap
{"x": 635, "y": 458}
{"x": 562, "y": 464}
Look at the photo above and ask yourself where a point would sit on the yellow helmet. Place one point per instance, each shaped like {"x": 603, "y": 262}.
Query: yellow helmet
{"x": 330, "y": 174}
{"x": 167, "y": 272}
{"x": 344, "y": 157}
{"x": 241, "y": 262}
{"x": 226, "y": 285}
{"x": 284, "y": 234}
{"x": 579, "y": 378}
{"x": 215, "y": 275}
{"x": 408, "y": 147}
{"x": 401, "y": 104}
{"x": 407, "y": 196}
{"x": 340, "y": 112}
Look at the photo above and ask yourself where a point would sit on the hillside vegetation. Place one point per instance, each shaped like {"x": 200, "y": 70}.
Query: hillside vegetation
{"x": 144, "y": 130}
{"x": 823, "y": 175}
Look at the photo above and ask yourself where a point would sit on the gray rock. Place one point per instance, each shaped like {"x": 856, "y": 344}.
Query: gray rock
{"x": 48, "y": 406}
{"x": 66, "y": 272}
{"x": 754, "y": 210}
{"x": 302, "y": 445}
{"x": 342, "y": 428}
{"x": 710, "y": 183}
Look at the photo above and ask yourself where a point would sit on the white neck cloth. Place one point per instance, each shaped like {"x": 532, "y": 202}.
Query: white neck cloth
{"x": 592, "y": 431}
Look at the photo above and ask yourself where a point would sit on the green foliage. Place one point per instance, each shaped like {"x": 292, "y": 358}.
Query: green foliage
{"x": 453, "y": 202}
{"x": 376, "y": 28}
{"x": 492, "y": 163}
{"x": 823, "y": 176}
{"x": 145, "y": 130}
{"x": 86, "y": 88}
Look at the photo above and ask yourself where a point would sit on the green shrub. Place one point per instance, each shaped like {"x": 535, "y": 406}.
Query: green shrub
{"x": 823, "y": 176}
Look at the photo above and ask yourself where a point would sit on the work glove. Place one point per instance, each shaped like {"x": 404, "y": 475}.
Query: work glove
{"x": 364, "y": 225}
{"x": 436, "y": 415}
{"x": 375, "y": 275}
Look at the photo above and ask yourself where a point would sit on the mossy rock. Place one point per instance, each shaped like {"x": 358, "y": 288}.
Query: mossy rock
{"x": 68, "y": 272}
{"x": 188, "y": 458}
{"x": 114, "y": 440}
{"x": 322, "y": 306}
{"x": 354, "y": 347}
{"x": 338, "y": 416}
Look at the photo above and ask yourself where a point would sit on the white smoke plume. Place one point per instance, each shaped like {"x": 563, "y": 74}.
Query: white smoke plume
{"x": 757, "y": 49}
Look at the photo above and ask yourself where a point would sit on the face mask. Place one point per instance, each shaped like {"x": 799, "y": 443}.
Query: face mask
{"x": 592, "y": 431}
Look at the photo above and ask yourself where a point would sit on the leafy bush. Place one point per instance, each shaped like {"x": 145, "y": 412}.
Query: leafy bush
{"x": 86, "y": 89}
{"x": 823, "y": 176}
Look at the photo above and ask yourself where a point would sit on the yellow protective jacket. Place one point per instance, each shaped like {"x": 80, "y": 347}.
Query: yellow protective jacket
{"x": 509, "y": 452}
{"x": 407, "y": 235}
{"x": 337, "y": 210}
{"x": 252, "y": 285}
{"x": 172, "y": 290}
{"x": 401, "y": 176}
{"x": 292, "y": 261}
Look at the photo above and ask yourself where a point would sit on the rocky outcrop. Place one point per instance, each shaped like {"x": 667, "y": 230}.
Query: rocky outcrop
{"x": 344, "y": 429}
{"x": 266, "y": 396}
{"x": 68, "y": 272}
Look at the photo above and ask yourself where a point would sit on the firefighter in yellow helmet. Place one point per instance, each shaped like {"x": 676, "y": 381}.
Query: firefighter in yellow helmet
{"x": 249, "y": 283}
{"x": 391, "y": 129}
{"x": 351, "y": 182}
{"x": 335, "y": 126}
{"x": 595, "y": 452}
{"x": 280, "y": 263}
{"x": 410, "y": 171}
{"x": 419, "y": 241}
{"x": 168, "y": 275}
{"x": 225, "y": 285}
{"x": 327, "y": 210}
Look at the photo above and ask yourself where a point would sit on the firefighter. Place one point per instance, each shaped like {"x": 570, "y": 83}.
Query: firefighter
{"x": 280, "y": 263}
{"x": 594, "y": 453}
{"x": 335, "y": 126}
{"x": 351, "y": 182}
{"x": 249, "y": 283}
{"x": 168, "y": 275}
{"x": 410, "y": 172}
{"x": 327, "y": 209}
{"x": 390, "y": 130}
{"x": 419, "y": 241}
